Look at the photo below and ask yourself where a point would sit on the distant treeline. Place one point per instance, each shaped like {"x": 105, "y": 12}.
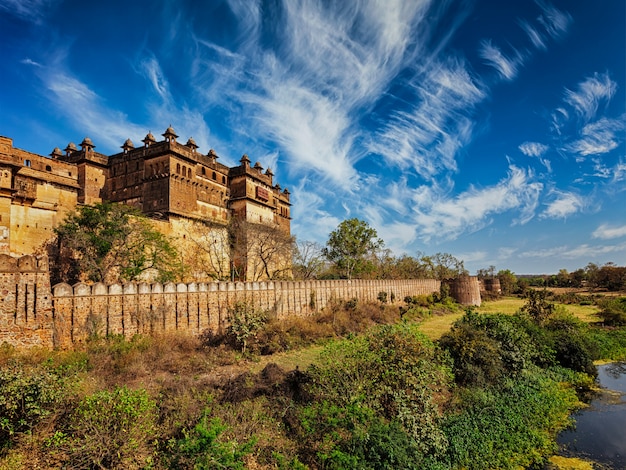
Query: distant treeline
{"x": 609, "y": 277}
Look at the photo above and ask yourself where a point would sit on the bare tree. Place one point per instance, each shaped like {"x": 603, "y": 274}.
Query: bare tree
{"x": 260, "y": 251}
{"x": 208, "y": 250}
{"x": 308, "y": 260}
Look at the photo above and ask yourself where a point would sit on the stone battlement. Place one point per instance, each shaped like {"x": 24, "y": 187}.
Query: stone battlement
{"x": 34, "y": 314}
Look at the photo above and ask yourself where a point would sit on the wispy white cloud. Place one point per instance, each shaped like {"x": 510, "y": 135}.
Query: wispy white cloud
{"x": 619, "y": 172}
{"x": 555, "y": 21}
{"x": 535, "y": 36}
{"x": 562, "y": 205}
{"x": 109, "y": 127}
{"x": 583, "y": 252}
{"x": 441, "y": 217}
{"x": 332, "y": 60}
{"x": 537, "y": 150}
{"x": 533, "y": 149}
{"x": 95, "y": 118}
{"x": 427, "y": 137}
{"x": 28, "y": 61}
{"x": 590, "y": 93}
{"x": 598, "y": 137}
{"x": 507, "y": 67}
{"x": 30, "y": 10}
{"x": 152, "y": 70}
{"x": 606, "y": 232}
{"x": 559, "y": 118}
{"x": 311, "y": 212}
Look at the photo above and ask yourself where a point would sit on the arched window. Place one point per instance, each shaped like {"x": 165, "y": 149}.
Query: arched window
{"x": 178, "y": 168}
{"x": 214, "y": 176}
{"x": 48, "y": 168}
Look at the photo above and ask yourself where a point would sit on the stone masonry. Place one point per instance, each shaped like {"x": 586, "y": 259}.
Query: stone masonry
{"x": 33, "y": 314}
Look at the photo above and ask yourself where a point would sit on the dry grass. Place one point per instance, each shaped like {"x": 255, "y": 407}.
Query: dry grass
{"x": 298, "y": 359}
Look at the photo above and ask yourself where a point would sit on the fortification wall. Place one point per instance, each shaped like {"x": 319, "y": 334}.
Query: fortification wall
{"x": 26, "y": 316}
{"x": 465, "y": 290}
{"x": 34, "y": 314}
{"x": 82, "y": 310}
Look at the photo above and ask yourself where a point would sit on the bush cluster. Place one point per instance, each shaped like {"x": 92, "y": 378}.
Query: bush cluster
{"x": 491, "y": 393}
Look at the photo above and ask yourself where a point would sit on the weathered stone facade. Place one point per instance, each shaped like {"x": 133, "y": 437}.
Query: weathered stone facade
{"x": 34, "y": 314}
{"x": 168, "y": 181}
{"x": 26, "y": 314}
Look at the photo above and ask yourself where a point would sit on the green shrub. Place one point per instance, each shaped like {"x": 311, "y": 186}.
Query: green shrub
{"x": 476, "y": 356}
{"x": 486, "y": 348}
{"x": 537, "y": 305}
{"x": 27, "y": 395}
{"x": 244, "y": 323}
{"x": 393, "y": 370}
{"x": 113, "y": 429}
{"x": 202, "y": 448}
{"x": 613, "y": 311}
{"x": 609, "y": 343}
{"x": 508, "y": 427}
{"x": 572, "y": 343}
{"x": 384, "y": 446}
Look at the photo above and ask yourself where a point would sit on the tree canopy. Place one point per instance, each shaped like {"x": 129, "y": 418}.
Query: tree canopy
{"x": 351, "y": 244}
{"x": 110, "y": 242}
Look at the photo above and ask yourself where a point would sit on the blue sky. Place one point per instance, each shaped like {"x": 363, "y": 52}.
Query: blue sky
{"x": 491, "y": 130}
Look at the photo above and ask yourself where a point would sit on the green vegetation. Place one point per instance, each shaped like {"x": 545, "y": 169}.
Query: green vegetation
{"x": 372, "y": 390}
{"x": 109, "y": 242}
{"x": 244, "y": 323}
{"x": 350, "y": 245}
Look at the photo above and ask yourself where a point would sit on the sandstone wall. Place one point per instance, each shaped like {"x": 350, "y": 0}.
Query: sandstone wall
{"x": 82, "y": 310}
{"x": 26, "y": 315}
{"x": 34, "y": 314}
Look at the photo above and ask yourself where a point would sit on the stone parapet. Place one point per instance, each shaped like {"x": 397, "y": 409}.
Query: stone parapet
{"x": 34, "y": 314}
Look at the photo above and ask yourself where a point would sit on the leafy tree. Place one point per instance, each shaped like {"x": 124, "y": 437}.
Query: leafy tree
{"x": 591, "y": 271}
{"x": 578, "y": 278}
{"x": 486, "y": 273}
{"x": 446, "y": 266}
{"x": 110, "y": 242}
{"x": 350, "y": 245}
{"x": 611, "y": 277}
{"x": 508, "y": 281}
{"x": 408, "y": 267}
{"x": 563, "y": 278}
{"x": 537, "y": 305}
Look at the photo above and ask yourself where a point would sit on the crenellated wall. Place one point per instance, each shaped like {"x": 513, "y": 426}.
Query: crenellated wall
{"x": 34, "y": 314}
{"x": 82, "y": 310}
{"x": 26, "y": 315}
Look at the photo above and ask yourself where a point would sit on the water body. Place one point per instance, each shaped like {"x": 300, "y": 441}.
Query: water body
{"x": 600, "y": 433}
